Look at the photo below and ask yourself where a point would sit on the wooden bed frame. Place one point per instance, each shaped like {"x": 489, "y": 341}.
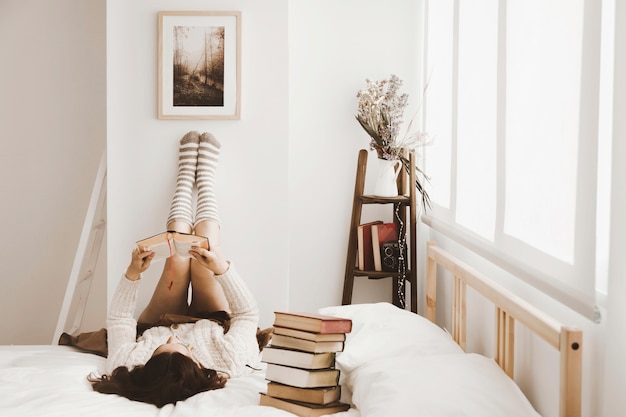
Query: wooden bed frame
{"x": 509, "y": 308}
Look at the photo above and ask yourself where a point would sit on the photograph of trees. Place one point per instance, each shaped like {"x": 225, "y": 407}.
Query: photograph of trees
{"x": 198, "y": 66}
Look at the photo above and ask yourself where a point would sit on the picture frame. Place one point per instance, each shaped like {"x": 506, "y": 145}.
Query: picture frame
{"x": 199, "y": 65}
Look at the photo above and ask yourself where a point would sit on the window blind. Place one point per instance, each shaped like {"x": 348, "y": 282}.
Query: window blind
{"x": 513, "y": 105}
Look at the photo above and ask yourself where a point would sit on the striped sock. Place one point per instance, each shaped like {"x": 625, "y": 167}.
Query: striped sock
{"x": 181, "y": 208}
{"x": 208, "y": 157}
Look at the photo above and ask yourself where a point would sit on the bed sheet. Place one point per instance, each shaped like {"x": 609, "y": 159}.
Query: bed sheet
{"x": 51, "y": 381}
{"x": 395, "y": 363}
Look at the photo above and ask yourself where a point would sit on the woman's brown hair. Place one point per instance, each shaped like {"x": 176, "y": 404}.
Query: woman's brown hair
{"x": 166, "y": 378}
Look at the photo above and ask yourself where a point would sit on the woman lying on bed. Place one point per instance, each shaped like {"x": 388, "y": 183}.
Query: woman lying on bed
{"x": 217, "y": 335}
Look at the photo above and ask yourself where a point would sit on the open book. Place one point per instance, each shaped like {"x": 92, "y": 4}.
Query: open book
{"x": 170, "y": 243}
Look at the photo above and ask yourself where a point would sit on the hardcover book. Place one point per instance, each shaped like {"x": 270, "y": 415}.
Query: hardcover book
{"x": 304, "y": 409}
{"x": 289, "y": 342}
{"x": 316, "y": 337}
{"x": 364, "y": 246}
{"x": 169, "y": 243}
{"x": 302, "y": 378}
{"x": 381, "y": 233}
{"x": 297, "y": 359}
{"x": 323, "y": 395}
{"x": 311, "y": 322}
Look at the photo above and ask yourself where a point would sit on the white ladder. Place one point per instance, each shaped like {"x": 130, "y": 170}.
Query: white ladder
{"x": 86, "y": 257}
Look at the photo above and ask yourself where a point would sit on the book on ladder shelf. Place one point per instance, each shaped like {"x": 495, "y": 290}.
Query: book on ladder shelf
{"x": 365, "y": 252}
{"x": 301, "y": 374}
{"x": 381, "y": 234}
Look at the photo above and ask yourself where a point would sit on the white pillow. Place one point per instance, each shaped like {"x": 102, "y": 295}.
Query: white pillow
{"x": 381, "y": 330}
{"x": 467, "y": 385}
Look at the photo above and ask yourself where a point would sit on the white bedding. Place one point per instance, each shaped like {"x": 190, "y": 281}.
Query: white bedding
{"x": 398, "y": 364}
{"x": 51, "y": 381}
{"x": 395, "y": 363}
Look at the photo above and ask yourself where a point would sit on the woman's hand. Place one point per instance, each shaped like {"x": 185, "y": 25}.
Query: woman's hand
{"x": 211, "y": 259}
{"x": 139, "y": 262}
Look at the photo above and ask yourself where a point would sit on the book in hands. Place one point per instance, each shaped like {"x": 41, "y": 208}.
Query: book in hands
{"x": 321, "y": 395}
{"x": 302, "y": 378}
{"x": 171, "y": 243}
{"x": 311, "y": 322}
{"x": 289, "y": 342}
{"x": 298, "y": 359}
{"x": 303, "y": 409}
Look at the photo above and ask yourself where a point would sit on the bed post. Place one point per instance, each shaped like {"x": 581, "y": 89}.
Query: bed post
{"x": 431, "y": 284}
{"x": 571, "y": 372}
{"x": 505, "y": 341}
{"x": 459, "y": 316}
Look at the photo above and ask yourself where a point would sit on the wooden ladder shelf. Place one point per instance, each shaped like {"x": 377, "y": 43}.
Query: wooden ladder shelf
{"x": 405, "y": 201}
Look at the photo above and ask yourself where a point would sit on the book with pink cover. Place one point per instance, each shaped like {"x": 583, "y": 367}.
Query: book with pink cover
{"x": 381, "y": 233}
{"x": 312, "y": 322}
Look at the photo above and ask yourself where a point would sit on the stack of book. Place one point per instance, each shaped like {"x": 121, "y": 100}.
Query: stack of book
{"x": 301, "y": 373}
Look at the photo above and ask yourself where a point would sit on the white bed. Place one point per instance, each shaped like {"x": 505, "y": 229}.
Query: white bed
{"x": 395, "y": 363}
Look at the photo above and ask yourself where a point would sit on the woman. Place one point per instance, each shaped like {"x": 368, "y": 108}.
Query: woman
{"x": 169, "y": 363}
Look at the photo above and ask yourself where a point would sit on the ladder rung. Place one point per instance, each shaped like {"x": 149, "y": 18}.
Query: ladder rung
{"x": 99, "y": 225}
{"x": 87, "y": 276}
{"x": 372, "y": 199}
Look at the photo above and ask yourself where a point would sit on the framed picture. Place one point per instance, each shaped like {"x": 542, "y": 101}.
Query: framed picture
{"x": 199, "y": 65}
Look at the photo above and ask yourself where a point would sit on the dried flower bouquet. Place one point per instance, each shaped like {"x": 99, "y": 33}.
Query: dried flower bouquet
{"x": 381, "y": 113}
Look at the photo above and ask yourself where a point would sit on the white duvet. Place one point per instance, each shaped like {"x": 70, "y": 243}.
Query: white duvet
{"x": 395, "y": 364}
{"x": 52, "y": 381}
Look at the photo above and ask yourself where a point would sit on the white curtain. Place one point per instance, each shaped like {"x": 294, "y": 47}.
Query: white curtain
{"x": 513, "y": 105}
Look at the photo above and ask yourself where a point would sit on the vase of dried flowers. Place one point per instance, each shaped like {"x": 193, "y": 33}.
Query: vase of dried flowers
{"x": 380, "y": 112}
{"x": 386, "y": 179}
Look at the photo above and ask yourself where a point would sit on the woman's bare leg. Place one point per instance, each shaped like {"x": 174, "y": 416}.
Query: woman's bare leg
{"x": 206, "y": 293}
{"x": 171, "y": 292}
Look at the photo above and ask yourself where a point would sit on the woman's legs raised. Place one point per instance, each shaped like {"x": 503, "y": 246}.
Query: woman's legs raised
{"x": 171, "y": 292}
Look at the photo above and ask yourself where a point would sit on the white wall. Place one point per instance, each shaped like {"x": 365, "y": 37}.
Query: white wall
{"x": 272, "y": 189}
{"x": 143, "y": 151}
{"x": 52, "y": 133}
{"x": 334, "y": 47}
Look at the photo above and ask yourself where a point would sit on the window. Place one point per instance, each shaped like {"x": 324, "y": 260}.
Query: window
{"x": 517, "y": 98}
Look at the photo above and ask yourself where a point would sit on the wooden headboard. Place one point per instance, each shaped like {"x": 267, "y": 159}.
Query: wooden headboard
{"x": 509, "y": 309}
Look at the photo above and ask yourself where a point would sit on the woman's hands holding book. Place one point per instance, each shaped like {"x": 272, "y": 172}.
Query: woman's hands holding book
{"x": 139, "y": 262}
{"x": 211, "y": 259}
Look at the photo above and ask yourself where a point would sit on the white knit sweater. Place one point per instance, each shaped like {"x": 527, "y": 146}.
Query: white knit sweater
{"x": 229, "y": 353}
